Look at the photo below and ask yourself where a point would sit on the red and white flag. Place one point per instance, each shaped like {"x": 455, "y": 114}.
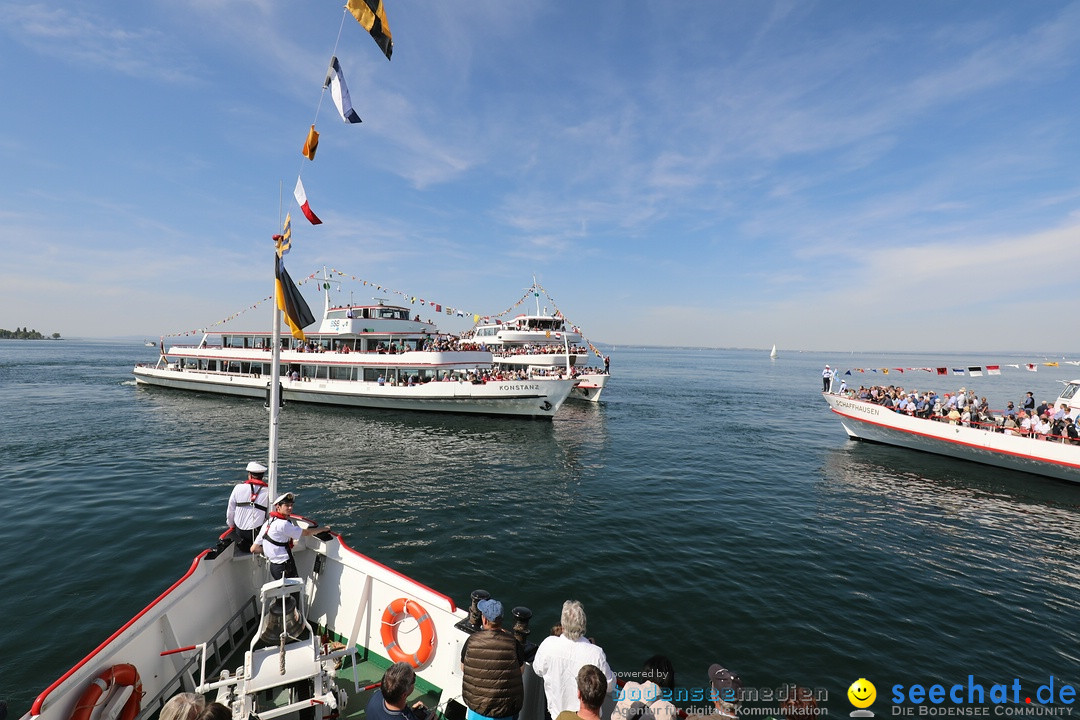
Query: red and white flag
{"x": 302, "y": 201}
{"x": 993, "y": 369}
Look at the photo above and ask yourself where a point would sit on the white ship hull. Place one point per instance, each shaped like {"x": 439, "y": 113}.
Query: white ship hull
{"x": 589, "y": 387}
{"x": 867, "y": 421}
{"x": 538, "y": 398}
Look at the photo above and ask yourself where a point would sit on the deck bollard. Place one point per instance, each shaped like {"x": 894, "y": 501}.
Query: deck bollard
{"x": 474, "y": 612}
{"x": 522, "y": 616}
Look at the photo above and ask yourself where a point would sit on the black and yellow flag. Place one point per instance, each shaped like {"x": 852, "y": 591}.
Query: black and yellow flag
{"x": 372, "y": 15}
{"x": 311, "y": 144}
{"x": 289, "y": 300}
{"x": 283, "y": 242}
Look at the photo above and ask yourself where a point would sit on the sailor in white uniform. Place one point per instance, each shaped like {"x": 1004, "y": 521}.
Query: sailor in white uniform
{"x": 248, "y": 506}
{"x": 277, "y": 536}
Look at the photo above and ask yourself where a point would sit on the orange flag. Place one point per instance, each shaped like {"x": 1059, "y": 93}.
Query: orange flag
{"x": 311, "y": 144}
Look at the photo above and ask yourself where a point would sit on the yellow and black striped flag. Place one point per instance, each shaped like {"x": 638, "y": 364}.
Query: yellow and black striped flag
{"x": 284, "y": 240}
{"x": 372, "y": 15}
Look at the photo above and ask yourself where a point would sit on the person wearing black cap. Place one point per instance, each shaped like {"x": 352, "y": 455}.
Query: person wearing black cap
{"x": 279, "y": 533}
{"x": 492, "y": 661}
{"x": 726, "y": 691}
{"x": 248, "y": 506}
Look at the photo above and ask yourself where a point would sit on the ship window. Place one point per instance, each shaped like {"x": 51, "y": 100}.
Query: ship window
{"x": 1069, "y": 391}
{"x": 341, "y": 373}
{"x": 371, "y": 374}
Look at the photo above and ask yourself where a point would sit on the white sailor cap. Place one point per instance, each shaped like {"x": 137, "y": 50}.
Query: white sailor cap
{"x": 285, "y": 497}
{"x": 257, "y": 468}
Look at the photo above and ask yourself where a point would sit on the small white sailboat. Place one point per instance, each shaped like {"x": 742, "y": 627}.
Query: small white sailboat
{"x": 773, "y": 354}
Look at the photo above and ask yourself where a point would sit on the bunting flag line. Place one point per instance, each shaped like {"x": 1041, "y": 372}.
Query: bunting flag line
{"x": 340, "y": 92}
{"x": 970, "y": 371}
{"x": 284, "y": 240}
{"x": 372, "y": 16}
{"x": 311, "y": 144}
{"x": 435, "y": 306}
{"x": 289, "y": 300}
{"x": 302, "y": 201}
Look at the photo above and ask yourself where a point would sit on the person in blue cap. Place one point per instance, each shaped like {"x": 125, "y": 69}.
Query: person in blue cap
{"x": 492, "y": 661}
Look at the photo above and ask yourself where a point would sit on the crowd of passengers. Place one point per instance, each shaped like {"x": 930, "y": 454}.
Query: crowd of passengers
{"x": 536, "y": 349}
{"x": 1042, "y": 421}
{"x": 477, "y": 377}
{"x": 440, "y": 343}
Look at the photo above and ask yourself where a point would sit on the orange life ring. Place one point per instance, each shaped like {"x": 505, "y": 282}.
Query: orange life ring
{"x": 395, "y": 612}
{"x": 103, "y": 685}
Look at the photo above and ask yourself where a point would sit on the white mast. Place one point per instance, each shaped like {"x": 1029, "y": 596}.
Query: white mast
{"x": 326, "y": 291}
{"x": 566, "y": 345}
{"x": 275, "y": 389}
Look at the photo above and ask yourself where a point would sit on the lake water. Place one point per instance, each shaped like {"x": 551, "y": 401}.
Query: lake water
{"x": 710, "y": 509}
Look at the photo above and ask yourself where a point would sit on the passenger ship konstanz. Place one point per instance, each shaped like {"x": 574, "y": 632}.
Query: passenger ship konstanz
{"x": 372, "y": 356}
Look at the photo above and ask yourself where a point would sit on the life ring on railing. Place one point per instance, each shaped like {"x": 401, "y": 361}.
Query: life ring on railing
{"x": 395, "y": 612}
{"x": 117, "y": 675}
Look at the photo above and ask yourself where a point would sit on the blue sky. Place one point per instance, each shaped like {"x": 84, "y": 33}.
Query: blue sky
{"x": 824, "y": 176}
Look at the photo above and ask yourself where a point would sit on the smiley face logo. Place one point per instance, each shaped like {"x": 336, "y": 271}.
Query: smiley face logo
{"x": 862, "y": 693}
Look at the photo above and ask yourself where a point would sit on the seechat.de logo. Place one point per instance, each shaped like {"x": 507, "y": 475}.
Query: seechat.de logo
{"x": 861, "y": 694}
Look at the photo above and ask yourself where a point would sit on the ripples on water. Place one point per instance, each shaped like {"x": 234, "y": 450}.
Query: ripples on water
{"x": 711, "y": 509}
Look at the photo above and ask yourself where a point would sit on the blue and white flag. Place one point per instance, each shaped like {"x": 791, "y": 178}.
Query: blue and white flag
{"x": 340, "y": 92}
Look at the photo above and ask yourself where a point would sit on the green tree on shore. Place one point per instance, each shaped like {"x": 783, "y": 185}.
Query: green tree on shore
{"x": 24, "y": 334}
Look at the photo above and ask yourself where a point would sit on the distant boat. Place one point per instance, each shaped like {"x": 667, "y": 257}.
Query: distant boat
{"x": 542, "y": 343}
{"x": 150, "y": 343}
{"x": 773, "y": 354}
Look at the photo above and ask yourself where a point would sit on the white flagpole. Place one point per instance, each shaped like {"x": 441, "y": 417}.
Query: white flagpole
{"x": 275, "y": 391}
{"x": 566, "y": 345}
